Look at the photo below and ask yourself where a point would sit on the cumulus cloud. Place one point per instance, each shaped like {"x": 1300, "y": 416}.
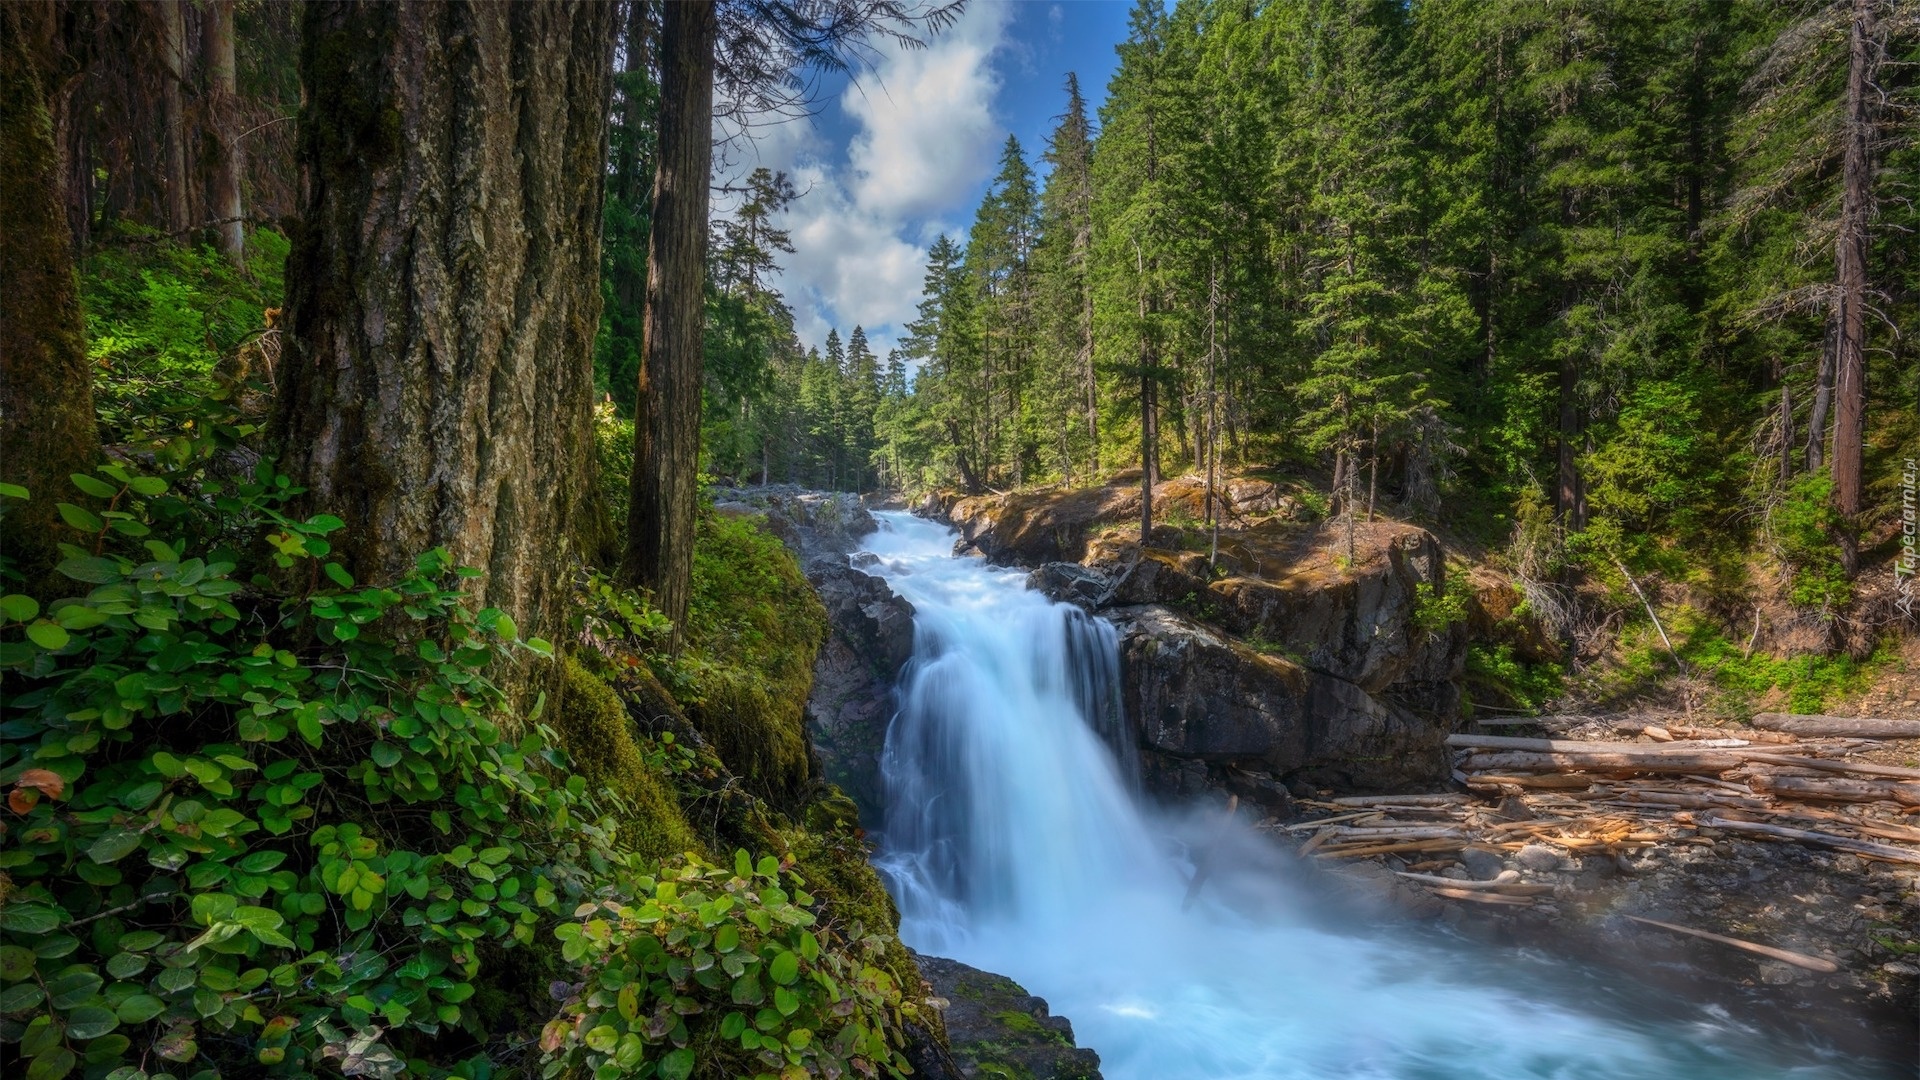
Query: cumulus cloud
{"x": 922, "y": 140}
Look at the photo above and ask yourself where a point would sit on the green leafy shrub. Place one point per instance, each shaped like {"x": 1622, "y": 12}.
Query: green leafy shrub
{"x": 162, "y": 316}
{"x": 264, "y": 833}
{"x": 1435, "y": 609}
{"x": 1804, "y": 528}
{"x": 726, "y": 970}
{"x": 1498, "y": 675}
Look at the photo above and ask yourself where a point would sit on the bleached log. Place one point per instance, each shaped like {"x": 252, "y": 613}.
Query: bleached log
{"x": 1793, "y": 787}
{"x": 1861, "y": 727}
{"x": 1884, "y": 852}
{"x": 1799, "y": 960}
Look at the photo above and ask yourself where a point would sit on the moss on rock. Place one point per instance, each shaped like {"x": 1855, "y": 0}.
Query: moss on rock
{"x": 598, "y": 737}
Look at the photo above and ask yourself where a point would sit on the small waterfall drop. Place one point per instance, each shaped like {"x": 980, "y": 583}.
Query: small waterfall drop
{"x": 1015, "y": 841}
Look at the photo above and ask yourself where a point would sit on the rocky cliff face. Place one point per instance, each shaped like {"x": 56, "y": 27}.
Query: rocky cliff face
{"x": 1273, "y": 664}
{"x": 871, "y": 635}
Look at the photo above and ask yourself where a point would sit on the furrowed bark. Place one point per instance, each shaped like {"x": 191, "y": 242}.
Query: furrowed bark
{"x": 443, "y": 292}
{"x": 47, "y": 428}
{"x": 666, "y": 458}
{"x": 226, "y": 165}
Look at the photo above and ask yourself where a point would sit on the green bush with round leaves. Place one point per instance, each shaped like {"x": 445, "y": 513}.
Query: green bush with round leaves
{"x": 263, "y": 828}
{"x": 727, "y": 970}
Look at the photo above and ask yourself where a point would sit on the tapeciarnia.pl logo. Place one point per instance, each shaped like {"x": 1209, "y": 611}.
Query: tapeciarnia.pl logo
{"x": 1908, "y": 561}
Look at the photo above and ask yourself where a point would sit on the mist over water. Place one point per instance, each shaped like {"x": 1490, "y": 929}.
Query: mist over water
{"x": 1015, "y": 841}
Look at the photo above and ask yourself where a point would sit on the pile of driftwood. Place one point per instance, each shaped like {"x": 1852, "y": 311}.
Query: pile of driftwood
{"x": 1789, "y": 779}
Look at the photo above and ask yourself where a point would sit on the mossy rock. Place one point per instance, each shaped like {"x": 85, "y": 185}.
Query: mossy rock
{"x": 599, "y": 740}
{"x": 995, "y": 1029}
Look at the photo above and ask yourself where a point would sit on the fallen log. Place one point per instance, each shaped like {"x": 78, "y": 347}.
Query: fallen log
{"x": 1861, "y": 727}
{"x": 1509, "y": 887}
{"x": 1693, "y": 802}
{"x": 1563, "y": 781}
{"x": 1799, "y": 960}
{"x": 1583, "y": 746}
{"x": 1440, "y": 799}
{"x": 1867, "y": 848}
{"x": 1396, "y": 832}
{"x": 1837, "y": 790}
{"x": 1857, "y": 768}
{"x": 1695, "y": 731}
{"x": 1648, "y": 761}
{"x": 1481, "y": 897}
{"x": 1393, "y": 848}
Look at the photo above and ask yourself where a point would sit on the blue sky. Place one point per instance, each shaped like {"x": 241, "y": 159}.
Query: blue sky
{"x": 904, "y": 153}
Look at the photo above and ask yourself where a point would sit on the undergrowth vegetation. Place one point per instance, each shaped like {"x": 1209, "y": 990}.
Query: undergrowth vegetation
{"x": 265, "y": 819}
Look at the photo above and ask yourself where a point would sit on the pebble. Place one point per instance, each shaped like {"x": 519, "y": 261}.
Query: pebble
{"x": 1900, "y": 968}
{"x": 1537, "y": 857}
{"x": 1483, "y": 865}
{"x": 1776, "y": 974}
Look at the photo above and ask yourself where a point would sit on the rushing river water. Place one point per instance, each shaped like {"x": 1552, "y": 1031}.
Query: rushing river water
{"x": 1015, "y": 841}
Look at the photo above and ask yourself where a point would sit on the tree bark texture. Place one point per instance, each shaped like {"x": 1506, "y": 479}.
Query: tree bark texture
{"x": 1850, "y": 369}
{"x": 47, "y": 426}
{"x": 443, "y": 292}
{"x": 666, "y": 452}
{"x": 225, "y": 165}
{"x": 173, "y": 60}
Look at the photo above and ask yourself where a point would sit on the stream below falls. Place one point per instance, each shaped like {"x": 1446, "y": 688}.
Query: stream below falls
{"x": 1016, "y": 841}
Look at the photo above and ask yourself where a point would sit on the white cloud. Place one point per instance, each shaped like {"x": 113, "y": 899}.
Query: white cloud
{"x": 923, "y": 140}
{"x": 927, "y": 130}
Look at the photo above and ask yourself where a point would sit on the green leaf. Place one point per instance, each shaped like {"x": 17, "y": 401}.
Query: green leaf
{"x": 126, "y": 965}
{"x": 140, "y": 1008}
{"x": 16, "y": 963}
{"x": 52, "y": 1065}
{"x": 90, "y": 1022}
{"x": 677, "y": 1065}
{"x": 339, "y": 575}
{"x": 385, "y": 754}
{"x": 326, "y": 523}
{"x": 264, "y": 924}
{"x": 117, "y": 844}
{"x": 92, "y": 568}
{"x": 79, "y": 617}
{"x": 13, "y": 491}
{"x": 84, "y": 520}
{"x": 94, "y": 486}
{"x": 18, "y": 608}
{"x": 20, "y": 997}
{"x": 785, "y": 968}
{"x": 30, "y": 918}
{"x": 49, "y": 636}
{"x": 149, "y": 486}
{"x": 507, "y": 628}
{"x": 73, "y": 989}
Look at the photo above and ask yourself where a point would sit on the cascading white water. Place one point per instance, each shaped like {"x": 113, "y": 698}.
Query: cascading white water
{"x": 1015, "y": 842}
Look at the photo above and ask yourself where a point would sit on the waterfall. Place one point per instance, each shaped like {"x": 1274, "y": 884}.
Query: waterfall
{"x": 1015, "y": 840}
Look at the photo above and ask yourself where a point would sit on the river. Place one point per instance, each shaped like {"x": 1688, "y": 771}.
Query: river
{"x": 1015, "y": 840}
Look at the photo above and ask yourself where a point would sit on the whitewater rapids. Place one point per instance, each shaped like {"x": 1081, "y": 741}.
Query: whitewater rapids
{"x": 1015, "y": 840}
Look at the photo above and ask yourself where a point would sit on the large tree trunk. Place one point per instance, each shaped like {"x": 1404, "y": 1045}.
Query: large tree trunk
{"x": 444, "y": 289}
{"x": 173, "y": 60}
{"x": 1850, "y": 370}
{"x": 225, "y": 165}
{"x": 46, "y": 393}
{"x": 666, "y": 452}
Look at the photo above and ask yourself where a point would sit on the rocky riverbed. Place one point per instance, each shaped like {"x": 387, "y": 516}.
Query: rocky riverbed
{"x": 1292, "y": 678}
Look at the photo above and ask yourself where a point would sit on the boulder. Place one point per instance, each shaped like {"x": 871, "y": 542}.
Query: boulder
{"x": 995, "y": 1029}
{"x": 851, "y": 704}
{"x": 1194, "y": 695}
